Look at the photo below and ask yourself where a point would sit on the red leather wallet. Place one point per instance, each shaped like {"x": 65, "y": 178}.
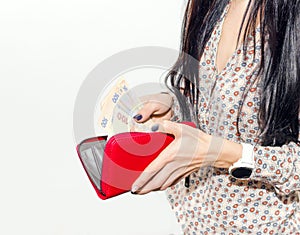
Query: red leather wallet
{"x": 112, "y": 166}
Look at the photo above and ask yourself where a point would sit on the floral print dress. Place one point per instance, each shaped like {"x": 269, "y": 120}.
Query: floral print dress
{"x": 215, "y": 202}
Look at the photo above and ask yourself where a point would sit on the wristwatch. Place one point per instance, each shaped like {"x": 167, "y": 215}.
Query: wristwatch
{"x": 243, "y": 168}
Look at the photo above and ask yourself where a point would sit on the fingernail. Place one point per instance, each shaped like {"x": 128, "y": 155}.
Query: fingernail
{"x": 138, "y": 117}
{"x": 155, "y": 127}
{"x": 134, "y": 189}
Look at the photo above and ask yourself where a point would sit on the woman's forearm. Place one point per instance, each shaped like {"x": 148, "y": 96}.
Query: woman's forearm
{"x": 230, "y": 153}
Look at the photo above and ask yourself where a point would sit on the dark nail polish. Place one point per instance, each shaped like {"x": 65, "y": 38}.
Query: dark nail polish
{"x": 138, "y": 117}
{"x": 133, "y": 192}
{"x": 155, "y": 127}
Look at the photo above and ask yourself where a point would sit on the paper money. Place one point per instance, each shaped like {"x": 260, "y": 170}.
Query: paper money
{"x": 108, "y": 103}
{"x": 118, "y": 109}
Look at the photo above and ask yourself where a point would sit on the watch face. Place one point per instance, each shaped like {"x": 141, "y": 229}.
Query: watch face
{"x": 242, "y": 172}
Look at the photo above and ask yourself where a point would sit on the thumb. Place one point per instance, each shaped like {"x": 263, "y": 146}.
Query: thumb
{"x": 144, "y": 113}
{"x": 168, "y": 127}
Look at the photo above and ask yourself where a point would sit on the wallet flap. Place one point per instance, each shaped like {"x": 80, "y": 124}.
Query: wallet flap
{"x": 91, "y": 152}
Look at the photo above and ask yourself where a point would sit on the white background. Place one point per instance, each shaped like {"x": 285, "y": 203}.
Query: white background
{"x": 47, "y": 48}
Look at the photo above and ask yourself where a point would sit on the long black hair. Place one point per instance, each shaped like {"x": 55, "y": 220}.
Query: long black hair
{"x": 279, "y": 69}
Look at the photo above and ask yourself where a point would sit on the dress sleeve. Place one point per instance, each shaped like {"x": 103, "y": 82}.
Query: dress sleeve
{"x": 278, "y": 166}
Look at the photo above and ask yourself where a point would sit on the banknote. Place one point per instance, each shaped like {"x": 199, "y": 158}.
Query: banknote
{"x": 108, "y": 103}
{"x": 118, "y": 108}
{"x": 122, "y": 118}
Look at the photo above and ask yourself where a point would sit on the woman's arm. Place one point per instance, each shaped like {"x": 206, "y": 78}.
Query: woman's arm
{"x": 278, "y": 166}
{"x": 190, "y": 150}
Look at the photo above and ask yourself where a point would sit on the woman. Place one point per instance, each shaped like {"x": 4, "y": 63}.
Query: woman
{"x": 243, "y": 160}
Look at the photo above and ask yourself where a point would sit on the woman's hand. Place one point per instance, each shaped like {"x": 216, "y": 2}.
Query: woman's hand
{"x": 156, "y": 107}
{"x": 190, "y": 150}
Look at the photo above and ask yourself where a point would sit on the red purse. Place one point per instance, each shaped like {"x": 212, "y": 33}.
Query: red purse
{"x": 112, "y": 166}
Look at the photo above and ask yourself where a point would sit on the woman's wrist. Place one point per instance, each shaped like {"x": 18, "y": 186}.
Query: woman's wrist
{"x": 230, "y": 153}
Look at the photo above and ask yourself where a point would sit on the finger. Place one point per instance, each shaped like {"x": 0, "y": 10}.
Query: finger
{"x": 168, "y": 127}
{"x": 159, "y": 179}
{"x": 176, "y": 177}
{"x": 153, "y": 168}
{"x": 167, "y": 176}
{"x": 146, "y": 98}
{"x": 165, "y": 116}
{"x": 145, "y": 113}
{"x": 164, "y": 99}
{"x": 142, "y": 180}
{"x": 152, "y": 185}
